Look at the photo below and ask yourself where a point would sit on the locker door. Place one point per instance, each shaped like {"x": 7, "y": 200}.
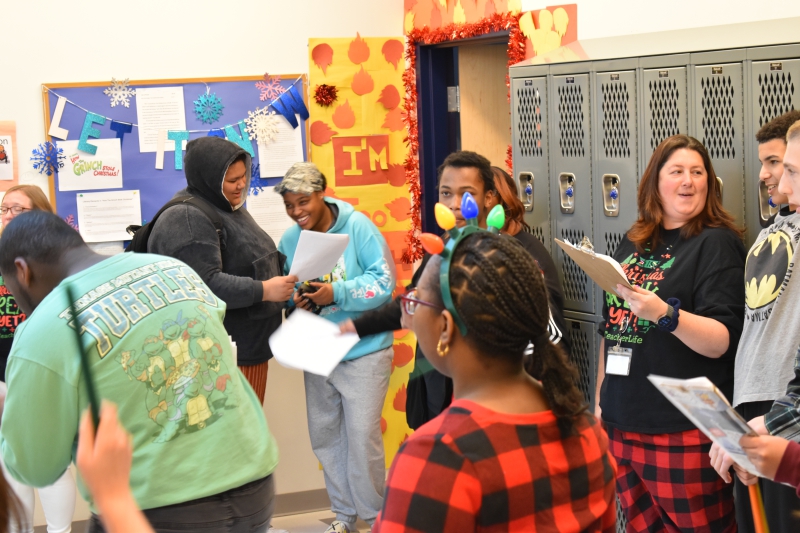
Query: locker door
{"x": 529, "y": 123}
{"x": 583, "y": 340}
{"x": 773, "y": 93}
{"x": 665, "y": 108}
{"x": 615, "y": 172}
{"x": 571, "y": 183}
{"x": 719, "y": 123}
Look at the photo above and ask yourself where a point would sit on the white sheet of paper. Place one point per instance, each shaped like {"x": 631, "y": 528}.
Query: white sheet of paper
{"x": 6, "y": 165}
{"x": 307, "y": 342}
{"x": 316, "y": 254}
{"x": 103, "y": 216}
{"x": 158, "y": 108}
{"x": 287, "y": 149}
{"x": 268, "y": 211}
{"x": 107, "y": 248}
{"x": 83, "y": 171}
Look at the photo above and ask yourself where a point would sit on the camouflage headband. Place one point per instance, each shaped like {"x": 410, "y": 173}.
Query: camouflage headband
{"x": 301, "y": 178}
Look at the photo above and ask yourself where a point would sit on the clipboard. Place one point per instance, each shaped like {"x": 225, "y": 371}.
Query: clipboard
{"x": 604, "y": 270}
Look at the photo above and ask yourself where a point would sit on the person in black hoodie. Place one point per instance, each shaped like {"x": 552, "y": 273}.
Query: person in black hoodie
{"x": 242, "y": 266}
{"x": 430, "y": 392}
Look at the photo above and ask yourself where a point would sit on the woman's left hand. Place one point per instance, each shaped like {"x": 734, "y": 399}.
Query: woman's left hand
{"x": 323, "y": 294}
{"x": 643, "y": 303}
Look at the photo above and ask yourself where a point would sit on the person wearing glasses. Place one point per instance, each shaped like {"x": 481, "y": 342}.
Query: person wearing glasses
{"x": 517, "y": 449}
{"x": 58, "y": 499}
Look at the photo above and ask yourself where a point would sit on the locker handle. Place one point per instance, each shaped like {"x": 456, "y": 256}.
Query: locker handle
{"x": 525, "y": 182}
{"x": 610, "y": 191}
{"x": 719, "y": 188}
{"x": 566, "y": 188}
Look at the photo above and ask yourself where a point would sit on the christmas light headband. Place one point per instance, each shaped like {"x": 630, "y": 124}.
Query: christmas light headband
{"x": 434, "y": 245}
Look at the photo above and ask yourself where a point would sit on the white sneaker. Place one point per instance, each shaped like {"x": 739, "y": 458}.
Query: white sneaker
{"x": 337, "y": 526}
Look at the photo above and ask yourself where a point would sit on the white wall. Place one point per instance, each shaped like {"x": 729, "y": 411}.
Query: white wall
{"x": 608, "y": 18}
{"x": 53, "y": 41}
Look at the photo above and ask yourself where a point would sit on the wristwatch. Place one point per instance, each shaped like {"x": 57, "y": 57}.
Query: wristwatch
{"x": 669, "y": 320}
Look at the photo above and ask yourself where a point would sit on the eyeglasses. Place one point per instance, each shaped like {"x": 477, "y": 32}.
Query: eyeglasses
{"x": 15, "y": 209}
{"x": 410, "y": 302}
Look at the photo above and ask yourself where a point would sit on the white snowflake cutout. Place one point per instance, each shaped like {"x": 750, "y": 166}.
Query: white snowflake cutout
{"x": 120, "y": 93}
{"x": 263, "y": 125}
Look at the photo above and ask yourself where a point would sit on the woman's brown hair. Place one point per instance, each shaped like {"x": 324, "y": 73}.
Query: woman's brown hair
{"x": 647, "y": 229}
{"x": 38, "y": 200}
{"x": 515, "y": 211}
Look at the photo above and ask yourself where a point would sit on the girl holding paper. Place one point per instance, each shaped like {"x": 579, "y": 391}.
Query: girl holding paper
{"x": 682, "y": 319}
{"x": 344, "y": 409}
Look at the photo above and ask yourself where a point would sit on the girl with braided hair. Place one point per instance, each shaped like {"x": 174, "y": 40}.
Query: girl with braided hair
{"x": 517, "y": 449}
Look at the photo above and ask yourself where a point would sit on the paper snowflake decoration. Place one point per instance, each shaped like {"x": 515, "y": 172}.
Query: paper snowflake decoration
{"x": 208, "y": 108}
{"x": 120, "y": 93}
{"x": 70, "y": 219}
{"x": 262, "y": 125}
{"x": 270, "y": 88}
{"x": 47, "y": 158}
{"x": 257, "y": 183}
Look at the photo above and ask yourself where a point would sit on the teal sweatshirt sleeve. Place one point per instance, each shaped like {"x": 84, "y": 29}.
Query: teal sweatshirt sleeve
{"x": 374, "y": 286}
{"x": 40, "y": 423}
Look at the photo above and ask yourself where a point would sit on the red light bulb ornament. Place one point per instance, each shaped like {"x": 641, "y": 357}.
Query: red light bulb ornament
{"x": 431, "y": 243}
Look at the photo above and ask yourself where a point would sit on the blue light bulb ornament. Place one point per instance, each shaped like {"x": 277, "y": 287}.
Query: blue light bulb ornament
{"x": 771, "y": 203}
{"x": 469, "y": 208}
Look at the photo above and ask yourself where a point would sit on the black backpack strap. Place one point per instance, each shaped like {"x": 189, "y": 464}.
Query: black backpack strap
{"x": 210, "y": 212}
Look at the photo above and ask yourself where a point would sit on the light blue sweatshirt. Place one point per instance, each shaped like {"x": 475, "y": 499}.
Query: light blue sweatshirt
{"x": 364, "y": 277}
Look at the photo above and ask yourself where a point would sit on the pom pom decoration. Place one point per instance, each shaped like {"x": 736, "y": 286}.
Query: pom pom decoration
{"x": 325, "y": 95}
{"x": 444, "y": 217}
{"x": 47, "y": 158}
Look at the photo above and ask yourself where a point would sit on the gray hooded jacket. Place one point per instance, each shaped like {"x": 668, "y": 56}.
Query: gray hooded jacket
{"x": 250, "y": 256}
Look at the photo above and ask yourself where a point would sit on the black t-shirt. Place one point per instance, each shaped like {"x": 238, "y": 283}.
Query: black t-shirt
{"x": 705, "y": 273}
{"x": 11, "y": 316}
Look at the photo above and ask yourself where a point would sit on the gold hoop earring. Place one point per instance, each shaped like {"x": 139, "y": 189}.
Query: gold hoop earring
{"x": 439, "y": 349}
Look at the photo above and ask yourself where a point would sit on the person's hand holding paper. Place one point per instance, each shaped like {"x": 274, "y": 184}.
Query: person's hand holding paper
{"x": 317, "y": 253}
{"x": 308, "y": 342}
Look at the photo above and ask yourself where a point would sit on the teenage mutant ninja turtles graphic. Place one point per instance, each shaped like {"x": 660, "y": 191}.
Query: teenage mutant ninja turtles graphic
{"x": 187, "y": 384}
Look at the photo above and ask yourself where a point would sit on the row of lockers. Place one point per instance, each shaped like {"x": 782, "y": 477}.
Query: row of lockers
{"x": 582, "y": 134}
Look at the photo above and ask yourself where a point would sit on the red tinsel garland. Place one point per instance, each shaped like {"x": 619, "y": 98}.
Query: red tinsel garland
{"x": 325, "y": 95}
{"x": 452, "y": 32}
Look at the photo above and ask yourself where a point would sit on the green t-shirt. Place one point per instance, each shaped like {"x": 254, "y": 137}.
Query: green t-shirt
{"x": 158, "y": 349}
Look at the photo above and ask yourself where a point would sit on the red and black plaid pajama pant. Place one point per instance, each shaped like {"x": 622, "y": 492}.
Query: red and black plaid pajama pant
{"x": 666, "y": 483}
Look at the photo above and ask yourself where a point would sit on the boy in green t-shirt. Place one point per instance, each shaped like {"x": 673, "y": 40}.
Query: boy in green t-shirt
{"x": 157, "y": 349}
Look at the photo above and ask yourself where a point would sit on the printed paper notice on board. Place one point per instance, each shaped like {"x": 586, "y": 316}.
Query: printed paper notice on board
{"x": 103, "y": 216}
{"x": 6, "y": 157}
{"x": 268, "y": 211}
{"x": 84, "y": 171}
{"x": 284, "y": 151}
{"x": 158, "y": 108}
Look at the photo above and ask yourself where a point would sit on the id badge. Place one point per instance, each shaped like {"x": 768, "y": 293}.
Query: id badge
{"x": 618, "y": 361}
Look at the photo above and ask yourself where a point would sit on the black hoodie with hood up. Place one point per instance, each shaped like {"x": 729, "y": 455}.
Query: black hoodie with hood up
{"x": 250, "y": 256}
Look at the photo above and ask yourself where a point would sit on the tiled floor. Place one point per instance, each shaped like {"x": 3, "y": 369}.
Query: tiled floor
{"x": 309, "y": 523}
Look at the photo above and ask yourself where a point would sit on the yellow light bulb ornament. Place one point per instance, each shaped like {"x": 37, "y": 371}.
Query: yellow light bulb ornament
{"x": 444, "y": 217}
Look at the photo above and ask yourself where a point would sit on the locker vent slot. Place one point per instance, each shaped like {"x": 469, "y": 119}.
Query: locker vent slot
{"x": 537, "y": 232}
{"x": 529, "y": 127}
{"x": 570, "y": 124}
{"x": 664, "y": 111}
{"x": 582, "y": 357}
{"x": 718, "y": 112}
{"x": 612, "y": 241}
{"x": 616, "y": 133}
{"x": 622, "y": 522}
{"x": 776, "y": 94}
{"x": 575, "y": 279}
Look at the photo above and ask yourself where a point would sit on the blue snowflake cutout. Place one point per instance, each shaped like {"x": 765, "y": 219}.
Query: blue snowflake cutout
{"x": 257, "y": 183}
{"x": 208, "y": 108}
{"x": 47, "y": 158}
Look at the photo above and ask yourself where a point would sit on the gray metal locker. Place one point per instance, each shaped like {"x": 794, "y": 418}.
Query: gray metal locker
{"x": 719, "y": 124}
{"x": 529, "y": 123}
{"x": 571, "y": 179}
{"x": 584, "y": 343}
{"x": 665, "y": 111}
{"x": 773, "y": 92}
{"x": 615, "y": 170}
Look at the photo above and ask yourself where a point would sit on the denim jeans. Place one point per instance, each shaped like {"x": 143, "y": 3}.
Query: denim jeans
{"x": 244, "y": 509}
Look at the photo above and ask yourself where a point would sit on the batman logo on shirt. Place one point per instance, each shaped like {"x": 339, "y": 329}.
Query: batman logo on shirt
{"x": 765, "y": 270}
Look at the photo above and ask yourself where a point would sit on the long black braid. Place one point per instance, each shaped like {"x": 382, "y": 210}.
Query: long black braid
{"x": 499, "y": 292}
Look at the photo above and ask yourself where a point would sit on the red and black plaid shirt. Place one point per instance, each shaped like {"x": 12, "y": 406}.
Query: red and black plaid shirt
{"x": 472, "y": 469}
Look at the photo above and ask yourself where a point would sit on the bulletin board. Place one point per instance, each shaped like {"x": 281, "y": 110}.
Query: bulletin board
{"x": 239, "y": 96}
